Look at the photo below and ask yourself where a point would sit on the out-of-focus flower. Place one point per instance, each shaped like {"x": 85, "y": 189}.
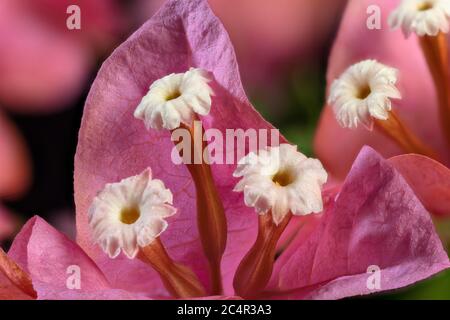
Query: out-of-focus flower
{"x": 14, "y": 172}
{"x": 421, "y": 17}
{"x": 270, "y": 35}
{"x": 7, "y": 224}
{"x": 416, "y": 122}
{"x": 64, "y": 220}
{"x": 14, "y": 163}
{"x": 44, "y": 64}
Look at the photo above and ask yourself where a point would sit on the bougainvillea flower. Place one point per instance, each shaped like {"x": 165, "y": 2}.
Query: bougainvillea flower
{"x": 114, "y": 146}
{"x": 180, "y": 36}
{"x": 415, "y": 125}
{"x": 27, "y": 273}
{"x": 374, "y": 221}
{"x": 313, "y": 266}
{"x": 44, "y": 63}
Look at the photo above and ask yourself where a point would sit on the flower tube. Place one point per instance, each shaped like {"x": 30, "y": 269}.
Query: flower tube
{"x": 173, "y": 102}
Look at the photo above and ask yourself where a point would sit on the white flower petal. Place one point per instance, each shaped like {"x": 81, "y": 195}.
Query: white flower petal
{"x": 174, "y": 99}
{"x": 363, "y": 92}
{"x": 422, "y": 17}
{"x": 285, "y": 181}
{"x": 130, "y": 213}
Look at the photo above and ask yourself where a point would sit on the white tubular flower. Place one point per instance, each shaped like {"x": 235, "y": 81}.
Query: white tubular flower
{"x": 174, "y": 99}
{"x": 281, "y": 180}
{"x": 130, "y": 214}
{"x": 423, "y": 17}
{"x": 363, "y": 92}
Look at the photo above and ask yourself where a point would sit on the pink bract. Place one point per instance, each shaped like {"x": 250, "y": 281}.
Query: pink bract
{"x": 46, "y": 254}
{"x": 374, "y": 216}
{"x": 337, "y": 147}
{"x": 49, "y": 257}
{"x": 429, "y": 179}
{"x": 375, "y": 220}
{"x": 114, "y": 145}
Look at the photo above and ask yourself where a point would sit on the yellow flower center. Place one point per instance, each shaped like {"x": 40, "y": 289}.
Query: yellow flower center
{"x": 129, "y": 215}
{"x": 424, "y": 6}
{"x": 173, "y": 95}
{"x": 363, "y": 92}
{"x": 283, "y": 178}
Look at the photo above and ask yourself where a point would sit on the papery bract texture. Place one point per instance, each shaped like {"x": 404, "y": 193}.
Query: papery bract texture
{"x": 376, "y": 220}
{"x": 337, "y": 147}
{"x": 54, "y": 261}
{"x": 114, "y": 145}
{"x": 429, "y": 179}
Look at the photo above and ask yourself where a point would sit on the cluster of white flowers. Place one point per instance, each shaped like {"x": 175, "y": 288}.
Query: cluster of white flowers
{"x": 130, "y": 214}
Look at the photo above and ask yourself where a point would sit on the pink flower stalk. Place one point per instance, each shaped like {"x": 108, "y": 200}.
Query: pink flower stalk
{"x": 413, "y": 125}
{"x": 115, "y": 149}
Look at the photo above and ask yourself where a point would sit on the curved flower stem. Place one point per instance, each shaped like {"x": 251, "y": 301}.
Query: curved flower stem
{"x": 179, "y": 280}
{"x": 255, "y": 269}
{"x": 211, "y": 220}
{"x": 435, "y": 50}
{"x": 394, "y": 128}
{"x": 16, "y": 275}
